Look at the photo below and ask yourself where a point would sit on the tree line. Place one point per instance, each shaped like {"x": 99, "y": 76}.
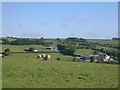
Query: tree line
{"x": 25, "y": 41}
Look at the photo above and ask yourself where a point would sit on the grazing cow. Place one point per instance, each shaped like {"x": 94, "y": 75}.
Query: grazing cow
{"x": 1, "y": 55}
{"x": 43, "y": 55}
{"x": 47, "y": 57}
{"x": 39, "y": 56}
{"x": 58, "y": 59}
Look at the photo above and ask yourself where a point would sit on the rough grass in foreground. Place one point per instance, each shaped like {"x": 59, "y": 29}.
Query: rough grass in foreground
{"x": 26, "y": 71}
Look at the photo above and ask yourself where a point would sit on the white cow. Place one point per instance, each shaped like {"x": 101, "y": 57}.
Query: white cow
{"x": 46, "y": 57}
{"x": 43, "y": 55}
{"x": 1, "y": 55}
{"x": 39, "y": 56}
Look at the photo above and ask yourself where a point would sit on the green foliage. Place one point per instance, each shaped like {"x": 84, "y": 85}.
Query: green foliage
{"x": 25, "y": 41}
{"x": 6, "y": 52}
{"x": 58, "y": 39}
{"x": 75, "y": 39}
{"x": 31, "y": 49}
{"x": 21, "y": 48}
{"x": 67, "y": 49}
{"x": 5, "y": 41}
{"x": 92, "y": 59}
{"x": 95, "y": 52}
{"x": 84, "y": 51}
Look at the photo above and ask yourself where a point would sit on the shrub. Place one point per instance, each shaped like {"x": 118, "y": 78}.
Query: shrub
{"x": 6, "y": 52}
{"x": 92, "y": 59}
{"x": 66, "y": 49}
{"x": 31, "y": 49}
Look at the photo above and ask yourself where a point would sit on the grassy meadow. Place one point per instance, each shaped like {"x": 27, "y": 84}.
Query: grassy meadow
{"x": 104, "y": 41}
{"x": 35, "y": 73}
{"x": 21, "y": 48}
{"x": 25, "y": 70}
{"x": 84, "y": 51}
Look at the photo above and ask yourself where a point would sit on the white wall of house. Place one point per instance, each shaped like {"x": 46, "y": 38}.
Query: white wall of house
{"x": 35, "y": 50}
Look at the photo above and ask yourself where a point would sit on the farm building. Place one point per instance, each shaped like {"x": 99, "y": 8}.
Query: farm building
{"x": 105, "y": 57}
{"x": 35, "y": 50}
{"x": 101, "y": 57}
{"x": 52, "y": 48}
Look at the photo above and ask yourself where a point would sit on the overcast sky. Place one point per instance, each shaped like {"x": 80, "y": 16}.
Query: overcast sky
{"x": 51, "y": 20}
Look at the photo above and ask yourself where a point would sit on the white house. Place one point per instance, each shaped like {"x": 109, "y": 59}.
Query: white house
{"x": 107, "y": 58}
{"x": 52, "y": 48}
{"x": 35, "y": 50}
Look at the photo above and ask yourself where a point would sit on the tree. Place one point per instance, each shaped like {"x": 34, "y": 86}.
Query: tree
{"x": 92, "y": 59}
{"x": 6, "y": 52}
{"x": 102, "y": 50}
{"x": 5, "y": 41}
{"x": 31, "y": 49}
{"x": 58, "y": 39}
{"x": 42, "y": 38}
{"x": 67, "y": 49}
{"x": 95, "y": 52}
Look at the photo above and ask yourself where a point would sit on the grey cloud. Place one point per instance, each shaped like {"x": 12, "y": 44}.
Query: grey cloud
{"x": 19, "y": 25}
{"x": 74, "y": 19}
{"x": 44, "y": 23}
{"x": 64, "y": 25}
{"x": 32, "y": 34}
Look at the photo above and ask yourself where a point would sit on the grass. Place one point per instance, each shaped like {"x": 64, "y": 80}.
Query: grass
{"x": 20, "y": 48}
{"x": 104, "y": 41}
{"x": 85, "y": 51}
{"x": 107, "y": 48}
{"x": 26, "y": 71}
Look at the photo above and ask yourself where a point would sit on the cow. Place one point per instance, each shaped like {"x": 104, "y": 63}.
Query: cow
{"x": 47, "y": 57}
{"x": 43, "y": 55}
{"x": 39, "y": 56}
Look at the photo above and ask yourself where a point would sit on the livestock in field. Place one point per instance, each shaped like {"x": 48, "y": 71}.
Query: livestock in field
{"x": 39, "y": 56}
{"x": 47, "y": 57}
{"x": 43, "y": 55}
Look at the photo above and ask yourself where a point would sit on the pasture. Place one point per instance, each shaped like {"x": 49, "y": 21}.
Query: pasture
{"x": 104, "y": 41}
{"x": 21, "y": 48}
{"x": 24, "y": 70}
{"x": 107, "y": 48}
{"x": 84, "y": 51}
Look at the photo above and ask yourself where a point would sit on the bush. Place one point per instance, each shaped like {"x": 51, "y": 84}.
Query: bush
{"x": 66, "y": 49}
{"x": 92, "y": 59}
{"x": 95, "y": 52}
{"x": 31, "y": 49}
{"x": 6, "y": 52}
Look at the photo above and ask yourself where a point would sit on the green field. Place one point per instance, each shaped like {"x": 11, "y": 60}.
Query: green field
{"x": 107, "y": 48}
{"x": 24, "y": 70}
{"x": 84, "y": 51}
{"x": 21, "y": 48}
{"x": 104, "y": 41}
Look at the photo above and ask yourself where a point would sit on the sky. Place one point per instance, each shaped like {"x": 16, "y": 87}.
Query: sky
{"x": 92, "y": 20}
